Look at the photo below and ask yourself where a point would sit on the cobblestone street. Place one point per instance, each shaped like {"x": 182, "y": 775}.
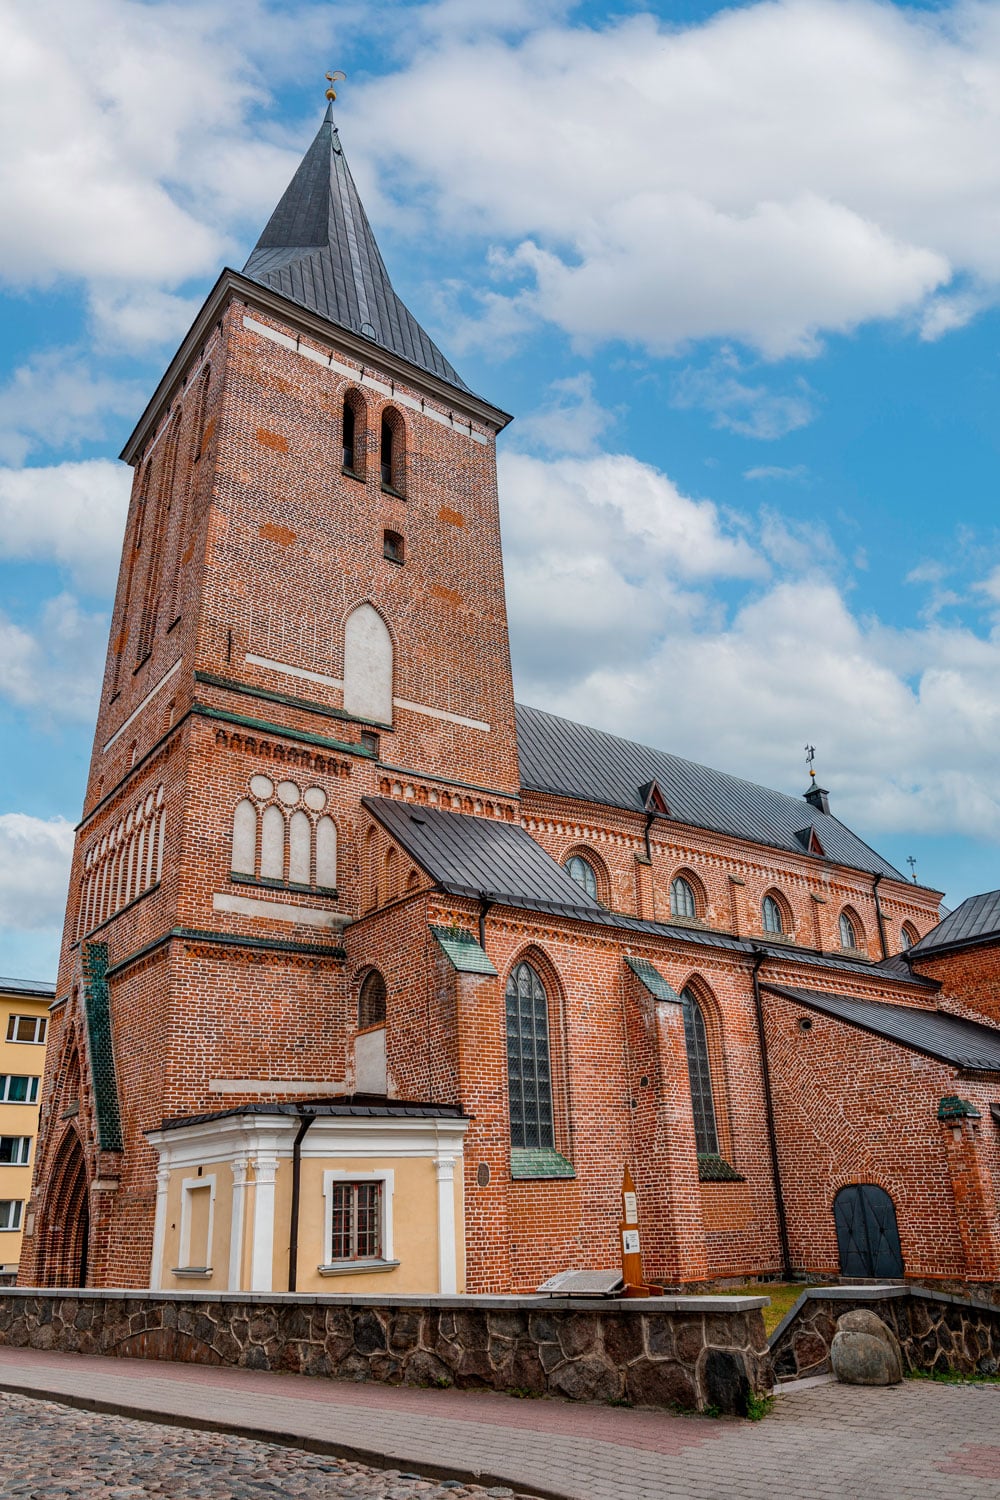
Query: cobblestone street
{"x": 51, "y": 1451}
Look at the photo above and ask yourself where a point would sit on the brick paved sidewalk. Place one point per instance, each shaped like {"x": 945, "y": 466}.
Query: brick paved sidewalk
{"x": 917, "y": 1441}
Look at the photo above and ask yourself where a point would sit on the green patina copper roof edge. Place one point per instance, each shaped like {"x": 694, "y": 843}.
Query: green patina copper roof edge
{"x": 712, "y": 1168}
{"x": 538, "y": 1161}
{"x": 463, "y": 951}
{"x": 102, "y": 1061}
{"x": 653, "y": 980}
{"x": 952, "y": 1107}
{"x": 266, "y": 727}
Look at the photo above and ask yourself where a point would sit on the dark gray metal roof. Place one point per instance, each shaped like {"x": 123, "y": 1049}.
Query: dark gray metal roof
{"x": 501, "y": 862}
{"x": 318, "y": 250}
{"x": 27, "y": 987}
{"x": 572, "y": 760}
{"x": 976, "y": 921}
{"x": 354, "y": 1106}
{"x": 951, "y": 1039}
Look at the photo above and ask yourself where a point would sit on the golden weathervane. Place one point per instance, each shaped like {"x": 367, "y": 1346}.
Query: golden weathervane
{"x": 333, "y": 78}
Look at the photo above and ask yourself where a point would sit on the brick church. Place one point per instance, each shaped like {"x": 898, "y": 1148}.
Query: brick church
{"x": 374, "y": 981}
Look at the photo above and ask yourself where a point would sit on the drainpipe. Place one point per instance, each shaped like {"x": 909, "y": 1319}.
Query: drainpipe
{"x": 779, "y": 1197}
{"x": 293, "y": 1226}
{"x": 485, "y": 905}
{"x": 876, "y": 882}
{"x": 650, "y": 819}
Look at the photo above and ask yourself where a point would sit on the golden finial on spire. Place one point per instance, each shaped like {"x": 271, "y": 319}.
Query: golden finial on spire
{"x": 333, "y": 78}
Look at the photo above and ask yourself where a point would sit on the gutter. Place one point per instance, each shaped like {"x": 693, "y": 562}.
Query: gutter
{"x": 876, "y": 882}
{"x": 305, "y": 1120}
{"x": 772, "y": 1138}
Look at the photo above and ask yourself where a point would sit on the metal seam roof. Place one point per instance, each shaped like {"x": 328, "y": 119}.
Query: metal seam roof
{"x": 26, "y": 987}
{"x": 974, "y": 921}
{"x": 950, "y": 1038}
{"x": 567, "y": 759}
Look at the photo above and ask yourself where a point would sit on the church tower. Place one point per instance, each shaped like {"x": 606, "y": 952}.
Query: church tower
{"x": 309, "y": 612}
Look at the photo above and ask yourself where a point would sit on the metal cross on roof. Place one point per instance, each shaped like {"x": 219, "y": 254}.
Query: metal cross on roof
{"x": 810, "y": 758}
{"x": 911, "y": 861}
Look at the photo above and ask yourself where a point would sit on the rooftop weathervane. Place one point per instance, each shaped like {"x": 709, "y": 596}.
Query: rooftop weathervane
{"x": 333, "y": 78}
{"x": 810, "y": 758}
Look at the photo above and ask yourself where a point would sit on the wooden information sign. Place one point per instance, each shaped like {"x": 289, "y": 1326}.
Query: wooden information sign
{"x": 631, "y": 1246}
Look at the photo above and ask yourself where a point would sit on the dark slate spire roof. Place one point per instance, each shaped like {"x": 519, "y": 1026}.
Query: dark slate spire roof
{"x": 572, "y": 760}
{"x": 976, "y": 921}
{"x": 318, "y": 250}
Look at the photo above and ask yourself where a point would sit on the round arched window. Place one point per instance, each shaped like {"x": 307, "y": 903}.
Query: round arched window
{"x": 773, "y": 921}
{"x": 682, "y": 902}
{"x": 848, "y": 932}
{"x": 371, "y": 1000}
{"x": 583, "y": 873}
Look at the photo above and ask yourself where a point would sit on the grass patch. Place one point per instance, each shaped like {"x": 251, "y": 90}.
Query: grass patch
{"x": 758, "y": 1407}
{"x": 953, "y": 1377}
{"x": 783, "y": 1295}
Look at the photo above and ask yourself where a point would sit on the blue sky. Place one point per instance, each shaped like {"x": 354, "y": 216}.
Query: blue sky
{"x": 736, "y": 271}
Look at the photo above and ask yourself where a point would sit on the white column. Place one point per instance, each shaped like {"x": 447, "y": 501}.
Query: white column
{"x": 262, "y": 1231}
{"x": 447, "y": 1248}
{"x": 159, "y": 1229}
{"x": 239, "y": 1166}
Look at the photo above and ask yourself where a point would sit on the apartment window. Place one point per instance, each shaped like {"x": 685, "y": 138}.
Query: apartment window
{"x": 10, "y": 1213}
{"x": 15, "y": 1150}
{"x": 355, "y": 1221}
{"x": 16, "y": 1088}
{"x": 27, "y": 1029}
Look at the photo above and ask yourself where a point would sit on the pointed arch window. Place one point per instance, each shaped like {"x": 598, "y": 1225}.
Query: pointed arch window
{"x": 392, "y": 452}
{"x": 909, "y": 935}
{"x": 529, "y": 1071}
{"x": 773, "y": 917}
{"x": 850, "y": 935}
{"x": 583, "y": 872}
{"x": 682, "y": 898}
{"x": 372, "y": 1001}
{"x": 706, "y": 1134}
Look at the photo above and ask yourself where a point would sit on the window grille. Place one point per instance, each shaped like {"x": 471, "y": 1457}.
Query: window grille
{"x": 700, "y": 1074}
{"x": 356, "y": 1221}
{"x": 27, "y": 1029}
{"x": 528, "y": 1069}
{"x": 372, "y": 1000}
{"x": 682, "y": 902}
{"x": 15, "y": 1150}
{"x": 773, "y": 921}
{"x": 15, "y": 1088}
{"x": 583, "y": 873}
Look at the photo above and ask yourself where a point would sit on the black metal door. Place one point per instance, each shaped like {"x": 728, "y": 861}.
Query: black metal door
{"x": 867, "y": 1233}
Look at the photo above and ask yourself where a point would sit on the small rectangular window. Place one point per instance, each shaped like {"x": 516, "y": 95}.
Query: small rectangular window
{"x": 16, "y": 1088}
{"x": 10, "y": 1213}
{"x": 369, "y": 741}
{"x": 27, "y": 1029}
{"x": 392, "y": 546}
{"x": 356, "y": 1221}
{"x": 15, "y": 1150}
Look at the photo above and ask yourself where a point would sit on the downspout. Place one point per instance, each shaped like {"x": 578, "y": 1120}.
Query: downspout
{"x": 485, "y": 905}
{"x": 876, "y": 882}
{"x": 293, "y": 1224}
{"x": 772, "y": 1137}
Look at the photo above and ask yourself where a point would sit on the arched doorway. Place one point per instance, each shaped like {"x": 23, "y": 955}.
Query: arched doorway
{"x": 67, "y": 1217}
{"x": 867, "y": 1233}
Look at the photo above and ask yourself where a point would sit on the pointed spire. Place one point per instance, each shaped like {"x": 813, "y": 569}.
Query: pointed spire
{"x": 318, "y": 250}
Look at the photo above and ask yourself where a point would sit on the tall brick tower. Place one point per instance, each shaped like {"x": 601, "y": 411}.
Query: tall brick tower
{"x": 309, "y": 611}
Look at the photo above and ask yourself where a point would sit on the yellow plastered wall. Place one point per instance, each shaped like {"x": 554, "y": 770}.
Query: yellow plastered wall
{"x": 218, "y": 1258}
{"x": 19, "y": 1058}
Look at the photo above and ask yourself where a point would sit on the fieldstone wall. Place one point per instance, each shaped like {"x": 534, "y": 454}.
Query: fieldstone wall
{"x": 936, "y": 1330}
{"x": 687, "y": 1352}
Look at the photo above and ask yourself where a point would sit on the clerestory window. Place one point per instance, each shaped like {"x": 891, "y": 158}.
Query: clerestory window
{"x": 583, "y": 873}
{"x": 682, "y": 902}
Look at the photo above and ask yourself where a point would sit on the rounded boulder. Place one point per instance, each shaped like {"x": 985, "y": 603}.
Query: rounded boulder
{"x": 865, "y": 1359}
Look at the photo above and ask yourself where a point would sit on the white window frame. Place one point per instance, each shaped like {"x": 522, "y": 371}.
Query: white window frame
{"x": 41, "y": 1024}
{"x": 24, "y": 1160}
{"x": 33, "y": 1082}
{"x": 387, "y": 1177}
{"x": 188, "y": 1185}
{"x": 15, "y": 1227}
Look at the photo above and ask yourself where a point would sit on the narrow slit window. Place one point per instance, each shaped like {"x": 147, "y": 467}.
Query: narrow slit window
{"x": 706, "y": 1135}
{"x": 392, "y": 546}
{"x": 349, "y": 438}
{"x": 387, "y": 444}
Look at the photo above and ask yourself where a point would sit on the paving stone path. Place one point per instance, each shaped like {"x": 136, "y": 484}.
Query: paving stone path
{"x": 52, "y": 1452}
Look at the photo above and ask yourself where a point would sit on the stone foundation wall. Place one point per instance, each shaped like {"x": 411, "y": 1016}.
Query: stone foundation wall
{"x": 936, "y": 1330}
{"x": 688, "y": 1352}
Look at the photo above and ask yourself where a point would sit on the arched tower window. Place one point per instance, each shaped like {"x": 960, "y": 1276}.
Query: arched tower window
{"x": 392, "y": 449}
{"x": 706, "y": 1134}
{"x": 353, "y": 431}
{"x": 529, "y": 1072}
{"x": 774, "y": 920}
{"x": 372, "y": 1000}
{"x": 909, "y": 935}
{"x": 368, "y": 666}
{"x": 583, "y": 873}
{"x": 850, "y": 929}
{"x": 682, "y": 898}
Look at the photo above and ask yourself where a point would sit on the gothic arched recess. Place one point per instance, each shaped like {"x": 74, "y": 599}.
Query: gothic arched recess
{"x": 67, "y": 1217}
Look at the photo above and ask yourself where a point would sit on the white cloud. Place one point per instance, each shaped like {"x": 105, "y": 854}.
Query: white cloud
{"x": 795, "y": 472}
{"x": 57, "y": 399}
{"x": 54, "y": 670}
{"x": 752, "y": 410}
{"x": 572, "y": 422}
{"x": 70, "y": 514}
{"x": 627, "y": 629}
{"x": 772, "y": 173}
{"x": 35, "y": 856}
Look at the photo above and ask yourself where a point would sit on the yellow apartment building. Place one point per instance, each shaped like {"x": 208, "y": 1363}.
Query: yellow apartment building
{"x": 24, "y": 1021}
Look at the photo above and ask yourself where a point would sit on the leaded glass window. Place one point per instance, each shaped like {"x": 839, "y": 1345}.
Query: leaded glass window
{"x": 528, "y": 1070}
{"x": 583, "y": 873}
{"x": 705, "y": 1134}
{"x": 682, "y": 902}
{"x": 848, "y": 935}
{"x": 772, "y": 916}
